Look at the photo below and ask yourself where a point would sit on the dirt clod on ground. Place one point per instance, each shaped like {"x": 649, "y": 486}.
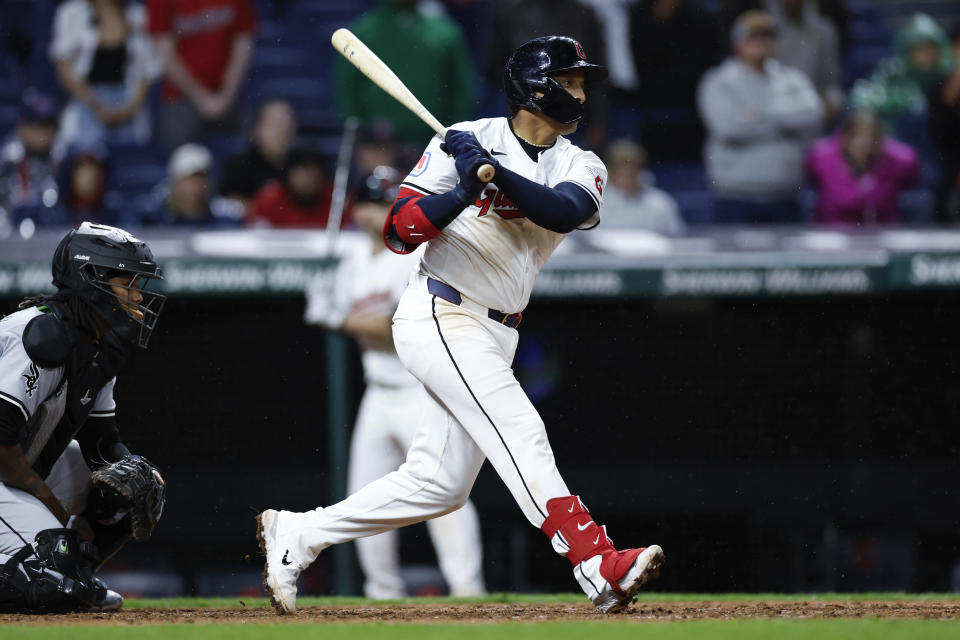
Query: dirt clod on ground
{"x": 499, "y": 613}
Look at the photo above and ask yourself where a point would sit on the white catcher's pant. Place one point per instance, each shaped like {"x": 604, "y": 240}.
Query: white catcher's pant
{"x": 474, "y": 409}
{"x": 381, "y": 438}
{"x": 69, "y": 480}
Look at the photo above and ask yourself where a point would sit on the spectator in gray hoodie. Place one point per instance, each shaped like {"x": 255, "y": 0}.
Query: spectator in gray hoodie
{"x": 760, "y": 118}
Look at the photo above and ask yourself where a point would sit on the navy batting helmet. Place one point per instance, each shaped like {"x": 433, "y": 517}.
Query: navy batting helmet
{"x": 528, "y": 73}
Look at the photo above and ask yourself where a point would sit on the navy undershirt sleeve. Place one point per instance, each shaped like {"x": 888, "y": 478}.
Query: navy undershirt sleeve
{"x": 561, "y": 209}
{"x": 442, "y": 208}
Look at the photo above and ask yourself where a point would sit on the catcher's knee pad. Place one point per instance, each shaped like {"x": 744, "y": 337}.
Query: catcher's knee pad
{"x": 52, "y": 575}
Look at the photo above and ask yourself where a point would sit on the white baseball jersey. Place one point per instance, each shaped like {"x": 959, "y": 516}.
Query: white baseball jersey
{"x": 372, "y": 284}
{"x": 473, "y": 408}
{"x": 491, "y": 253}
{"x": 37, "y": 393}
{"x": 40, "y": 395}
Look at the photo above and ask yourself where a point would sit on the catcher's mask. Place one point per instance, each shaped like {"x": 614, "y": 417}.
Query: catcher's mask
{"x": 89, "y": 257}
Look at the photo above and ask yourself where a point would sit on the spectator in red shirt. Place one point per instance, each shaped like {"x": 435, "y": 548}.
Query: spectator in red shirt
{"x": 300, "y": 198}
{"x": 205, "y": 47}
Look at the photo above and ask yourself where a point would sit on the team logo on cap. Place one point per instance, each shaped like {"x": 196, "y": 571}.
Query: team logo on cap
{"x": 580, "y": 52}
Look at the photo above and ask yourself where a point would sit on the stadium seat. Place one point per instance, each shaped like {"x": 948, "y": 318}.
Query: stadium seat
{"x": 916, "y": 206}
{"x": 696, "y": 206}
{"x": 860, "y": 61}
{"x": 676, "y": 177}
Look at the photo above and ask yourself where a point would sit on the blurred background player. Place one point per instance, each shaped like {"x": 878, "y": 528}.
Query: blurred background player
{"x": 59, "y": 357}
{"x": 361, "y": 302}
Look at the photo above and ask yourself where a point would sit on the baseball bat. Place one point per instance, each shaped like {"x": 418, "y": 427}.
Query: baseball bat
{"x": 367, "y": 62}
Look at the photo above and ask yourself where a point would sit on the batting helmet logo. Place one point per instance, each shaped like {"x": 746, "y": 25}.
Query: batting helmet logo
{"x": 580, "y": 52}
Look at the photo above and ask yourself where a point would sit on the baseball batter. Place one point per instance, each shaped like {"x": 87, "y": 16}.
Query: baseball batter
{"x": 456, "y": 331}
{"x": 59, "y": 356}
{"x": 365, "y": 293}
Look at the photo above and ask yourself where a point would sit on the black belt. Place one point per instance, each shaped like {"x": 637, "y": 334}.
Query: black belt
{"x": 451, "y": 295}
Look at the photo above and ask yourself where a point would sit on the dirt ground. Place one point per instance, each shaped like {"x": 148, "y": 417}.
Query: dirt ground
{"x": 498, "y": 613}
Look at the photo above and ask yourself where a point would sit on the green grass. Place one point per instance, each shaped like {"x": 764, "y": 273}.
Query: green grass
{"x": 532, "y": 598}
{"x": 601, "y": 629}
{"x": 706, "y": 630}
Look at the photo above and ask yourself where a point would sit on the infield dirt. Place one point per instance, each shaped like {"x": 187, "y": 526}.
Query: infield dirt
{"x": 500, "y": 613}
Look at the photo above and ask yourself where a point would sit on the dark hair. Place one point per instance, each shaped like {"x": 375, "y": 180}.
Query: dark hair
{"x": 303, "y": 155}
{"x": 269, "y": 101}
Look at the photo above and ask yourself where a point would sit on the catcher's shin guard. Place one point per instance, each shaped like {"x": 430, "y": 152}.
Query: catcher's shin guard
{"x": 52, "y": 575}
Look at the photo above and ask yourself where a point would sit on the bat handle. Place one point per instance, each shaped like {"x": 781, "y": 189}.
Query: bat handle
{"x": 485, "y": 173}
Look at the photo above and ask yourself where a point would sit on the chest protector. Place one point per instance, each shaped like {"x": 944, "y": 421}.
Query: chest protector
{"x": 52, "y": 341}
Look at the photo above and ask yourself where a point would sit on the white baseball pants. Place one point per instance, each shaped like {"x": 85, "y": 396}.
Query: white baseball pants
{"x": 474, "y": 409}
{"x": 379, "y": 445}
{"x": 69, "y": 480}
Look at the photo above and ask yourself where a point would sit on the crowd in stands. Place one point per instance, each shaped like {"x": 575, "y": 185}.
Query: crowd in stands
{"x": 229, "y": 113}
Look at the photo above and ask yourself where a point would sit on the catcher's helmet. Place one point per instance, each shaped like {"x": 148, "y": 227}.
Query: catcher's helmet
{"x": 89, "y": 256}
{"x": 528, "y": 72}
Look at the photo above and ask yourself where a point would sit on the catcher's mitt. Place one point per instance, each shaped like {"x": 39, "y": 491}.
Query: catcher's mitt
{"x": 137, "y": 485}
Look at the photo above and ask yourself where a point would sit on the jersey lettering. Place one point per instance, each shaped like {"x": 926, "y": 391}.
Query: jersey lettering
{"x": 501, "y": 204}
{"x": 505, "y": 208}
{"x": 508, "y": 254}
{"x": 484, "y": 200}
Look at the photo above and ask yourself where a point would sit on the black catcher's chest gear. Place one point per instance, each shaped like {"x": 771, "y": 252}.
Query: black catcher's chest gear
{"x": 88, "y": 367}
{"x": 528, "y": 72}
{"x": 48, "y": 341}
{"x": 89, "y": 256}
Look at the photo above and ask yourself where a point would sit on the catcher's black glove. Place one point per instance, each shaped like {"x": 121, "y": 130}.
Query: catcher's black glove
{"x": 135, "y": 484}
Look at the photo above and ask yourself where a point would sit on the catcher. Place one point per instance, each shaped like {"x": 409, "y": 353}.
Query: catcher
{"x": 59, "y": 356}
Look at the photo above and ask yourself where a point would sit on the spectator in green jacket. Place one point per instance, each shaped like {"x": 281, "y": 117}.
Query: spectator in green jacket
{"x": 428, "y": 52}
{"x": 898, "y": 84}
